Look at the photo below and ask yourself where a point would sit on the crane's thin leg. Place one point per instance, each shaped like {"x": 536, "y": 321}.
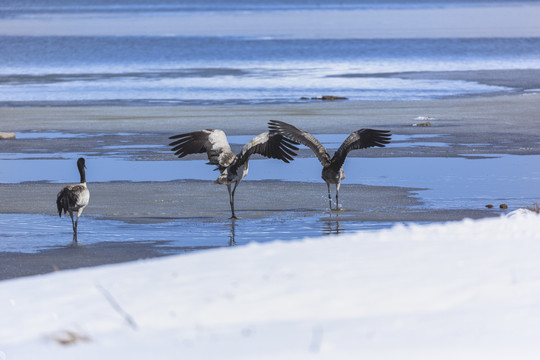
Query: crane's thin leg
{"x": 337, "y": 195}
{"x": 233, "y": 191}
{"x": 329, "y": 197}
{"x": 74, "y": 226}
{"x": 231, "y": 198}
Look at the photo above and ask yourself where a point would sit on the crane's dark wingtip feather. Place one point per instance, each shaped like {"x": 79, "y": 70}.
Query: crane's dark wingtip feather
{"x": 281, "y": 127}
{"x": 290, "y": 142}
{"x": 288, "y": 149}
{"x": 372, "y": 137}
{"x": 290, "y": 146}
{"x": 275, "y": 126}
{"x": 180, "y": 154}
{"x": 180, "y": 136}
{"x": 182, "y": 147}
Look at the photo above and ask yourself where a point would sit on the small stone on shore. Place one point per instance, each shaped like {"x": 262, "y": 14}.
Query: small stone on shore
{"x": 332, "y": 98}
{"x": 325, "y": 98}
{"x": 423, "y": 121}
{"x": 424, "y": 124}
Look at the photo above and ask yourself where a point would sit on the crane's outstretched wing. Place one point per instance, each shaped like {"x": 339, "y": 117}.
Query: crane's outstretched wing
{"x": 268, "y": 144}
{"x": 212, "y": 142}
{"x": 301, "y": 136}
{"x": 360, "y": 139}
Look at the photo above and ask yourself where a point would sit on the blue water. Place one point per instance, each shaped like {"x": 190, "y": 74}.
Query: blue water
{"x": 446, "y": 182}
{"x": 167, "y": 69}
{"x": 33, "y": 232}
{"x": 26, "y": 7}
{"x": 14, "y": 8}
{"x": 442, "y": 183}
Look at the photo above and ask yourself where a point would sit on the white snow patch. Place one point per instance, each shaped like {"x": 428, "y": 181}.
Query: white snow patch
{"x": 463, "y": 290}
{"x": 424, "y": 118}
{"x": 520, "y": 212}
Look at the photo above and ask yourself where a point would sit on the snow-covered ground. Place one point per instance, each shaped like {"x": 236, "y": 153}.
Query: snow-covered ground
{"x": 464, "y": 290}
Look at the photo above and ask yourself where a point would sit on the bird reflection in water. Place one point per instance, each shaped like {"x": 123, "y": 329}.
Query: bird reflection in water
{"x": 232, "y": 241}
{"x": 331, "y": 226}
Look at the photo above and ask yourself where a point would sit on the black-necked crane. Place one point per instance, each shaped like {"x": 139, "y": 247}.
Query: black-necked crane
{"x": 233, "y": 168}
{"x": 332, "y": 172}
{"x": 74, "y": 198}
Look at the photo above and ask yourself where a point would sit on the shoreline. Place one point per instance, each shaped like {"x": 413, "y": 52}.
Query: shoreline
{"x": 505, "y": 124}
{"x": 517, "y": 80}
{"x": 510, "y": 82}
{"x": 252, "y": 118}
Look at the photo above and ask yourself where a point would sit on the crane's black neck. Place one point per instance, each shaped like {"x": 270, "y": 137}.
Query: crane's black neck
{"x": 83, "y": 175}
{"x": 81, "y": 166}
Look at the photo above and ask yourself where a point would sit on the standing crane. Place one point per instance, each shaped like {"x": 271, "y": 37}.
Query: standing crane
{"x": 332, "y": 172}
{"x": 74, "y": 198}
{"x": 233, "y": 168}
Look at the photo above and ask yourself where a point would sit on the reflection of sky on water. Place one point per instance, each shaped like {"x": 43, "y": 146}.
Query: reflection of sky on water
{"x": 452, "y": 182}
{"x": 456, "y": 182}
{"x": 31, "y": 232}
{"x": 33, "y": 135}
{"x": 334, "y": 141}
{"x": 329, "y": 140}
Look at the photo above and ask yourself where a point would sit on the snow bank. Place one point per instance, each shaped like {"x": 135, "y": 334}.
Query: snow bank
{"x": 467, "y": 290}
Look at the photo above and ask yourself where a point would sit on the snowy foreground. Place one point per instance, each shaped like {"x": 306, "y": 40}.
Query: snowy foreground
{"x": 464, "y": 290}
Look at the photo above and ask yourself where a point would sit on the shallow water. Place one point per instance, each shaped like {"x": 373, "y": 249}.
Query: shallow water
{"x": 32, "y": 233}
{"x": 442, "y": 183}
{"x": 448, "y": 182}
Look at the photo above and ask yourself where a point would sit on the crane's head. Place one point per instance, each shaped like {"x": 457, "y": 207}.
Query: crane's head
{"x": 81, "y": 164}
